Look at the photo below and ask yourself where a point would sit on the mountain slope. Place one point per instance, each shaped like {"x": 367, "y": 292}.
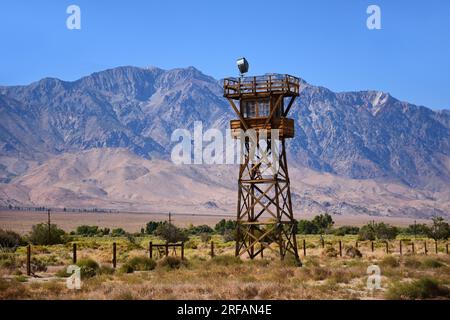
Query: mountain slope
{"x": 369, "y": 135}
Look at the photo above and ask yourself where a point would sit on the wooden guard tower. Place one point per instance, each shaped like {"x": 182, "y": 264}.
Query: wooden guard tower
{"x": 264, "y": 209}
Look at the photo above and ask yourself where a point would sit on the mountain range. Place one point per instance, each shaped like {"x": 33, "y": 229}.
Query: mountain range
{"x": 104, "y": 140}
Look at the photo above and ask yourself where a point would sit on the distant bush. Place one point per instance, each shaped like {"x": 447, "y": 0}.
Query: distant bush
{"x": 40, "y": 234}
{"x": 342, "y": 231}
{"x": 172, "y": 262}
{"x": 199, "y": 230}
{"x": 119, "y": 232}
{"x": 321, "y": 224}
{"x": 440, "y": 229}
{"x": 91, "y": 231}
{"x": 306, "y": 227}
{"x": 89, "y": 267}
{"x": 9, "y": 239}
{"x": 416, "y": 229}
{"x": 380, "y": 231}
{"x": 225, "y": 225}
{"x": 425, "y": 288}
{"x": 151, "y": 226}
{"x": 171, "y": 233}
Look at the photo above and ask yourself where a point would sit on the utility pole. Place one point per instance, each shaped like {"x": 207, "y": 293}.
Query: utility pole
{"x": 49, "y": 224}
{"x": 415, "y": 232}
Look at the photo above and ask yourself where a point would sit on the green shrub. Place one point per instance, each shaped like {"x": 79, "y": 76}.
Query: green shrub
{"x": 88, "y": 267}
{"x": 119, "y": 232}
{"x": 106, "y": 270}
{"x": 425, "y": 288}
{"x": 199, "y": 230}
{"x": 389, "y": 261}
{"x": 142, "y": 263}
{"x": 432, "y": 263}
{"x": 172, "y": 262}
{"x": 9, "y": 239}
{"x": 330, "y": 252}
{"x": 151, "y": 226}
{"x": 342, "y": 231}
{"x": 171, "y": 233}
{"x": 223, "y": 225}
{"x": 381, "y": 231}
{"x": 91, "y": 231}
{"x": 40, "y": 234}
{"x": 126, "y": 268}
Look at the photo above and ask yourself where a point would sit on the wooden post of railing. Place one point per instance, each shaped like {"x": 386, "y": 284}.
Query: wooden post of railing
{"x": 29, "y": 260}
{"x": 254, "y": 84}
{"x": 387, "y": 247}
{"x": 401, "y": 249}
{"x": 74, "y": 253}
{"x": 412, "y": 247}
{"x": 340, "y": 248}
{"x": 167, "y": 249}
{"x": 212, "y": 249}
{"x": 182, "y": 251}
{"x": 425, "y": 247}
{"x": 150, "y": 249}
{"x": 436, "y": 246}
{"x": 304, "y": 247}
{"x": 114, "y": 259}
{"x": 262, "y": 251}
{"x": 373, "y": 248}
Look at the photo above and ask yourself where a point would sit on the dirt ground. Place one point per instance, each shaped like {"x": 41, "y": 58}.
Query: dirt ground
{"x": 22, "y": 221}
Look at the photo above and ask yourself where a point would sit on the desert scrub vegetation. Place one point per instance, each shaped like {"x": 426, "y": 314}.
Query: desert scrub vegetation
{"x": 324, "y": 275}
{"x": 425, "y": 288}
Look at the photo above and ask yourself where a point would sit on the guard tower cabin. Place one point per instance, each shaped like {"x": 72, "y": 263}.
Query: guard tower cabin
{"x": 265, "y": 218}
{"x": 262, "y": 103}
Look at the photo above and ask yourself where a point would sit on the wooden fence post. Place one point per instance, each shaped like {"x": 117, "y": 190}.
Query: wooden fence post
{"x": 436, "y": 246}
{"x": 262, "y": 251}
{"x": 114, "y": 259}
{"x": 446, "y": 248}
{"x": 387, "y": 247}
{"x": 425, "y": 247}
{"x": 412, "y": 247}
{"x": 150, "y": 249}
{"x": 372, "y": 246}
{"x": 356, "y": 245}
{"x": 182, "y": 251}
{"x": 29, "y": 260}
{"x": 401, "y": 249}
{"x": 304, "y": 247}
{"x": 74, "y": 253}
{"x": 340, "y": 248}
{"x": 212, "y": 249}
{"x": 167, "y": 249}
{"x": 323, "y": 242}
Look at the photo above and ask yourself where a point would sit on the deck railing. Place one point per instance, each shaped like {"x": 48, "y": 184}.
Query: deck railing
{"x": 260, "y": 85}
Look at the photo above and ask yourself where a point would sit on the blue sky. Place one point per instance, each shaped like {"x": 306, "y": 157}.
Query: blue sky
{"x": 326, "y": 42}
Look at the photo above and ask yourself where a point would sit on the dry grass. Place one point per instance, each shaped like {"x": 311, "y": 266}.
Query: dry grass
{"x": 226, "y": 277}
